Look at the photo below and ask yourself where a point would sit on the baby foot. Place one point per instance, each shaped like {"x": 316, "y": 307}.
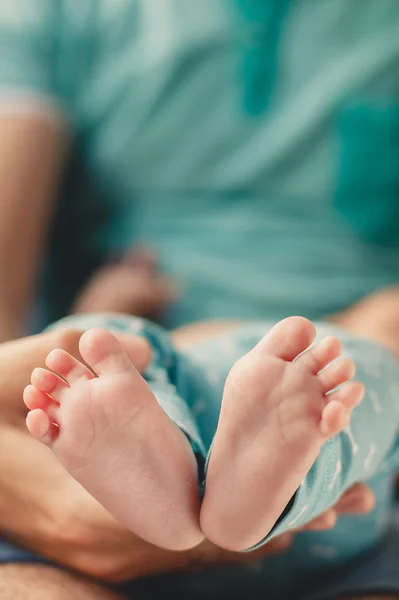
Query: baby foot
{"x": 108, "y": 430}
{"x": 278, "y": 409}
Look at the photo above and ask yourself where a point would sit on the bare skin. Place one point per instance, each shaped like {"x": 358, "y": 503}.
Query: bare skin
{"x": 107, "y": 445}
{"x": 86, "y": 547}
{"x": 33, "y": 582}
{"x": 375, "y": 317}
{"x": 275, "y": 417}
{"x": 26, "y": 172}
{"x": 163, "y": 466}
{"x": 70, "y": 528}
{"x": 132, "y": 285}
{"x": 49, "y": 504}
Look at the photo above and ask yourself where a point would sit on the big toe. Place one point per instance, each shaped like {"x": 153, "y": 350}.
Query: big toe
{"x": 104, "y": 353}
{"x": 288, "y": 338}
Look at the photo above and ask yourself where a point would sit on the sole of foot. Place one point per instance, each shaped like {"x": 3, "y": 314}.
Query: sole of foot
{"x": 282, "y": 402}
{"x": 107, "y": 429}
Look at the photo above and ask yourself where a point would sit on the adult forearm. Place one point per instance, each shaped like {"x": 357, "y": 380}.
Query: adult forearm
{"x": 29, "y": 188}
{"x": 375, "y": 317}
{"x": 11, "y": 320}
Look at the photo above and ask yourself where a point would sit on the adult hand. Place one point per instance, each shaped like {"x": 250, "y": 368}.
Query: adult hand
{"x": 43, "y": 509}
{"x": 19, "y": 357}
{"x": 358, "y": 500}
{"x": 133, "y": 285}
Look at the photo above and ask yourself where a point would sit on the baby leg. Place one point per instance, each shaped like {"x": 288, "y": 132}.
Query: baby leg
{"x": 109, "y": 431}
{"x": 285, "y": 451}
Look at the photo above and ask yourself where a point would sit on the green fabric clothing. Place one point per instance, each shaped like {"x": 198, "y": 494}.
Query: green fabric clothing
{"x": 253, "y": 143}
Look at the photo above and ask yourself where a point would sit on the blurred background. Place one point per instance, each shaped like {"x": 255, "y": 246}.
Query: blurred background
{"x": 222, "y": 160}
{"x": 190, "y": 160}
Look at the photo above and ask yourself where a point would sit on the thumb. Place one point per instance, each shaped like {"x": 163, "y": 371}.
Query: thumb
{"x": 137, "y": 348}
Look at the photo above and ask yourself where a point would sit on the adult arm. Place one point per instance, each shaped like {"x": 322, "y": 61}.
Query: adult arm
{"x": 32, "y": 151}
{"x": 45, "y": 510}
{"x": 375, "y": 317}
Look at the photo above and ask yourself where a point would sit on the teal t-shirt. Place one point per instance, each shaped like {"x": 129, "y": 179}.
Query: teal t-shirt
{"x": 253, "y": 143}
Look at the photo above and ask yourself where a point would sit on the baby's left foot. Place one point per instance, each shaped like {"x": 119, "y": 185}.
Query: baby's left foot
{"x": 277, "y": 412}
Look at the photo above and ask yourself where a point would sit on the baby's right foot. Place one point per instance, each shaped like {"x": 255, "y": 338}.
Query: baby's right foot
{"x": 112, "y": 436}
{"x": 276, "y": 414}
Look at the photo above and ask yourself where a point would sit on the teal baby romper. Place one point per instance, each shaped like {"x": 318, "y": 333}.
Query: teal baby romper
{"x": 189, "y": 388}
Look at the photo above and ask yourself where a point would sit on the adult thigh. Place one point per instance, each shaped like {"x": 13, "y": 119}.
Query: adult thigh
{"x": 38, "y": 582}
